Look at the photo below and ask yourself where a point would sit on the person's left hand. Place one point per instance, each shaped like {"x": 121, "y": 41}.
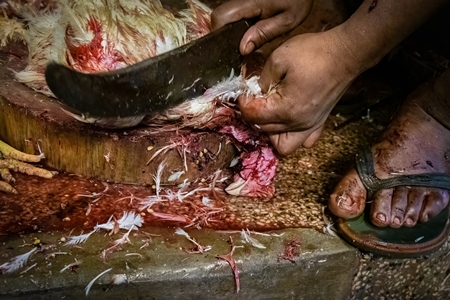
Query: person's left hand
{"x": 275, "y": 18}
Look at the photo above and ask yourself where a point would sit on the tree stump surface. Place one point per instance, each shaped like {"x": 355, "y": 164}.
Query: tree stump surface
{"x": 28, "y": 118}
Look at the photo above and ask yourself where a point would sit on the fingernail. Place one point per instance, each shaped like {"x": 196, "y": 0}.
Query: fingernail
{"x": 381, "y": 217}
{"x": 249, "y": 48}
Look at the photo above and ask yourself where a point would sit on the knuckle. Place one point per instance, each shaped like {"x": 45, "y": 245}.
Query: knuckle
{"x": 216, "y": 18}
{"x": 263, "y": 34}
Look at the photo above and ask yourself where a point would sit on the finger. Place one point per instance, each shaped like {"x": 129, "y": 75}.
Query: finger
{"x": 272, "y": 127}
{"x": 261, "y": 111}
{"x": 313, "y": 138}
{"x": 233, "y": 11}
{"x": 265, "y": 31}
{"x": 288, "y": 142}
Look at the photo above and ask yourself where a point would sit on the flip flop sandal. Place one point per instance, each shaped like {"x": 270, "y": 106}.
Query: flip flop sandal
{"x": 415, "y": 241}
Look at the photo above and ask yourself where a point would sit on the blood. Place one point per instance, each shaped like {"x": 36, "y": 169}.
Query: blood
{"x": 57, "y": 205}
{"x": 201, "y": 25}
{"x": 96, "y": 56}
{"x": 291, "y": 251}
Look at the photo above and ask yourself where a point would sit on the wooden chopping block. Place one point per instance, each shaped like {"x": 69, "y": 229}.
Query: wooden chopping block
{"x": 28, "y": 118}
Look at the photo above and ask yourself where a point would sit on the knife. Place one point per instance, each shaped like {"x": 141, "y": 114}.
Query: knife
{"x": 153, "y": 85}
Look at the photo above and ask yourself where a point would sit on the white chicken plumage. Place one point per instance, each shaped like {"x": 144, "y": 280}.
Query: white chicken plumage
{"x": 98, "y": 36}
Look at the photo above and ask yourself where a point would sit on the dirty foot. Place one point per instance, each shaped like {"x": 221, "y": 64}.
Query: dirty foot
{"x": 12, "y": 159}
{"x": 416, "y": 142}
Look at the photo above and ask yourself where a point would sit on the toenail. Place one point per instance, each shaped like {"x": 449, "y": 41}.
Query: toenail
{"x": 381, "y": 217}
{"x": 397, "y": 221}
{"x": 425, "y": 218}
{"x": 409, "y": 221}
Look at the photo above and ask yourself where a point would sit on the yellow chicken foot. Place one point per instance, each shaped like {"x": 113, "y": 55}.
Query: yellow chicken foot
{"x": 15, "y": 160}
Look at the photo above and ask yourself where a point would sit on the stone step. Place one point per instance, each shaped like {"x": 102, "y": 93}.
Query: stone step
{"x": 296, "y": 264}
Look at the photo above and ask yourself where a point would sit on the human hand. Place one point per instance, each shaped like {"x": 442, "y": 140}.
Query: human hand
{"x": 277, "y": 18}
{"x": 304, "y": 78}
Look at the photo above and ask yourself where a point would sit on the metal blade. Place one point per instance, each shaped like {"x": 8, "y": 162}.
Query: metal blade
{"x": 154, "y": 84}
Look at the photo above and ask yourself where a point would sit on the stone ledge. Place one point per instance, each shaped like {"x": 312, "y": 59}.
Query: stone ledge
{"x": 324, "y": 268}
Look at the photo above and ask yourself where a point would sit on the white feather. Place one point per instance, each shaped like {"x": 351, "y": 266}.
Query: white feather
{"x": 129, "y": 220}
{"x": 234, "y": 161}
{"x": 180, "y": 231}
{"x": 78, "y": 239}
{"x": 175, "y": 176}
{"x": 76, "y": 263}
{"x": 16, "y": 262}
{"x": 157, "y": 177}
{"x": 88, "y": 287}
{"x": 207, "y": 202}
{"x": 252, "y": 241}
{"x": 149, "y": 201}
{"x": 119, "y": 279}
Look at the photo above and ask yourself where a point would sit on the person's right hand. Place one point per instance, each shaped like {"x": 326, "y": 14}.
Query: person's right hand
{"x": 276, "y": 18}
{"x": 303, "y": 79}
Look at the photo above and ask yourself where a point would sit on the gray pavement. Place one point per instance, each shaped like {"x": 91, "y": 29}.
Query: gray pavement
{"x": 320, "y": 267}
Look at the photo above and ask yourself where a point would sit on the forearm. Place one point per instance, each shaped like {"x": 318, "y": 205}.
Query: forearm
{"x": 380, "y": 25}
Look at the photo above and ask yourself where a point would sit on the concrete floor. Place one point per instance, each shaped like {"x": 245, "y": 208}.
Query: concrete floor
{"x": 318, "y": 266}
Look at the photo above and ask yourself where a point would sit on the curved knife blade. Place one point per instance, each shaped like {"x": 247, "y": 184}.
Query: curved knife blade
{"x": 152, "y": 85}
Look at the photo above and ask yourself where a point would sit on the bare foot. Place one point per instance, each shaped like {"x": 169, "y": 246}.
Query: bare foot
{"x": 417, "y": 141}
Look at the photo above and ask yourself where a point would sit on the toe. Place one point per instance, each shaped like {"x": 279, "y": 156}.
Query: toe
{"x": 399, "y": 203}
{"x": 416, "y": 198}
{"x": 349, "y": 197}
{"x": 381, "y": 208}
{"x": 434, "y": 203}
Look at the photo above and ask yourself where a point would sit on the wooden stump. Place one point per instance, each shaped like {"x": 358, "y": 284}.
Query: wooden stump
{"x": 28, "y": 118}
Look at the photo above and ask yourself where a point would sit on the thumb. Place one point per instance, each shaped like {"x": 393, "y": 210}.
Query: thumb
{"x": 313, "y": 137}
{"x": 265, "y": 31}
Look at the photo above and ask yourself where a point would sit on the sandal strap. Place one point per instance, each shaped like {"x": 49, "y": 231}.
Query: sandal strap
{"x": 366, "y": 171}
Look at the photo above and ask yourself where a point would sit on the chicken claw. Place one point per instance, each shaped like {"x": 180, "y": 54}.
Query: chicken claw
{"x": 17, "y": 161}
